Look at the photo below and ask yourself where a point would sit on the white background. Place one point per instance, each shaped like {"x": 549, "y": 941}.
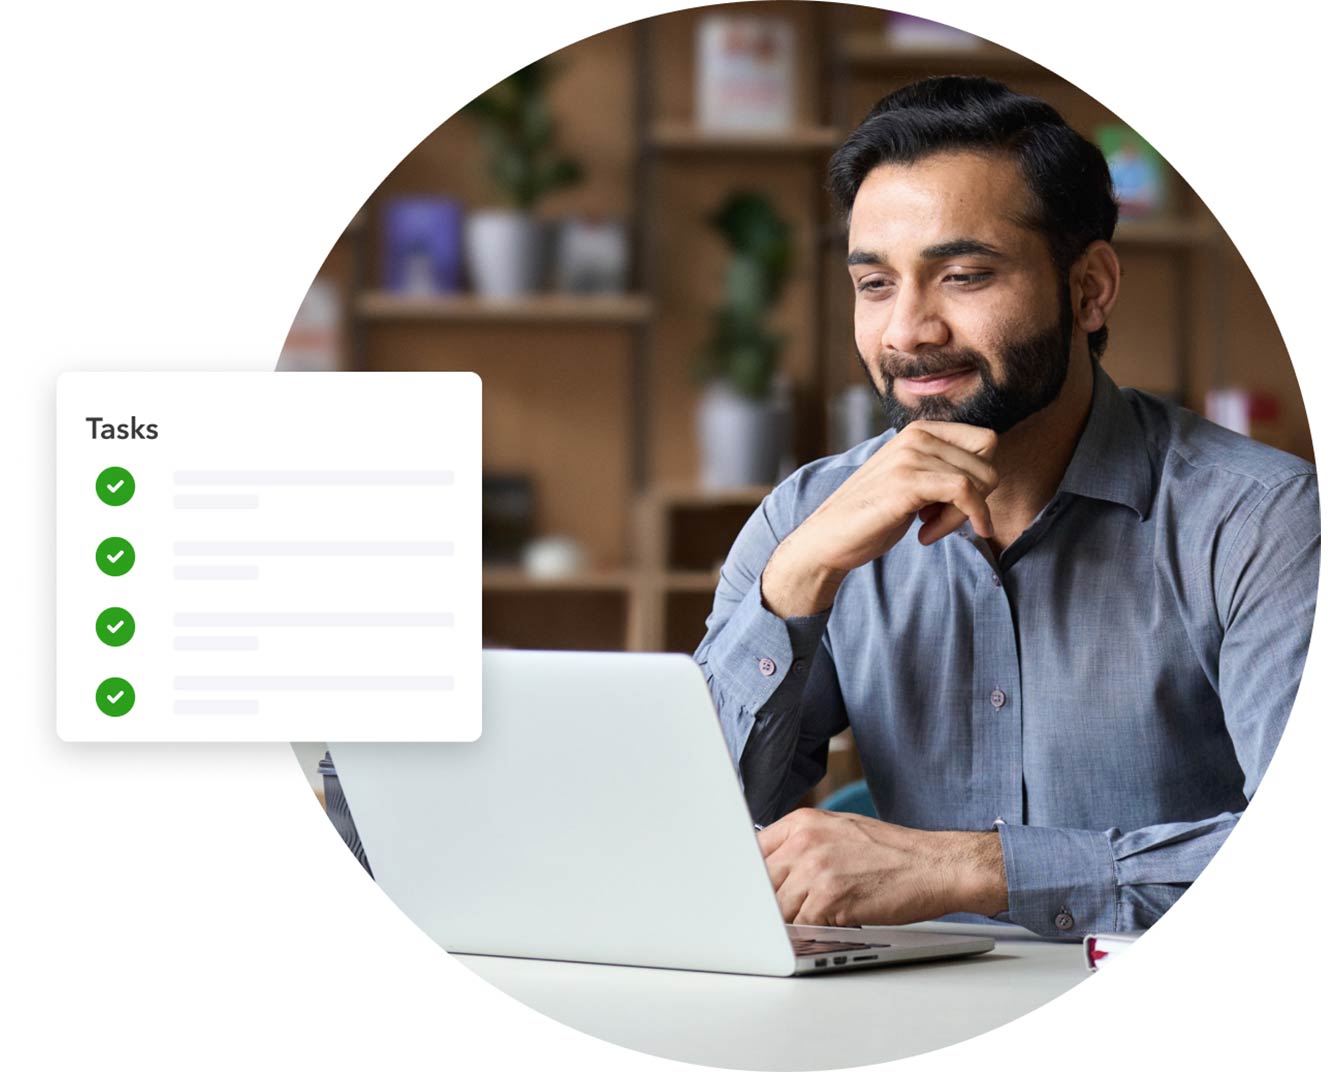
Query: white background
{"x": 173, "y": 179}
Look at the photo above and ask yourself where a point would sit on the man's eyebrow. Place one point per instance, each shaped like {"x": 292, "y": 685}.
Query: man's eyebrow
{"x": 958, "y": 247}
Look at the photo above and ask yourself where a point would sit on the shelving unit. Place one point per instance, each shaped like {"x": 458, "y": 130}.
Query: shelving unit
{"x": 542, "y": 309}
{"x": 684, "y": 533}
{"x": 592, "y": 397}
{"x": 684, "y": 137}
{"x": 873, "y": 52}
{"x": 517, "y": 580}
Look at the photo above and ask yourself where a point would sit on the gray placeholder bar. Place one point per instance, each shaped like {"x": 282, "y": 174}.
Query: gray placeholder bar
{"x": 216, "y": 643}
{"x": 216, "y": 707}
{"x": 319, "y": 477}
{"x": 262, "y": 619}
{"x": 216, "y": 502}
{"x": 311, "y": 548}
{"x": 269, "y": 683}
{"x": 216, "y": 573}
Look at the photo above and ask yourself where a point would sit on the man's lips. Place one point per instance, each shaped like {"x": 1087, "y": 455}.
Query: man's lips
{"x": 940, "y": 381}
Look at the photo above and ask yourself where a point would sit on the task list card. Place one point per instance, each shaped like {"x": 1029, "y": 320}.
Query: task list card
{"x": 260, "y": 556}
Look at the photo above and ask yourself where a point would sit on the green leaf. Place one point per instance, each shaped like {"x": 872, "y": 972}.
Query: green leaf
{"x": 742, "y": 351}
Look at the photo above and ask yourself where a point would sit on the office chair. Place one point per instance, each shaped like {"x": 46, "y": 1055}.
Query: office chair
{"x": 853, "y": 798}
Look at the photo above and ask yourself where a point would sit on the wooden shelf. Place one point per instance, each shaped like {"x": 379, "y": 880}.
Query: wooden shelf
{"x": 874, "y": 52}
{"x": 1165, "y": 233}
{"x": 538, "y": 309}
{"x": 515, "y": 580}
{"x": 671, "y": 495}
{"x": 688, "y": 138}
{"x": 704, "y": 581}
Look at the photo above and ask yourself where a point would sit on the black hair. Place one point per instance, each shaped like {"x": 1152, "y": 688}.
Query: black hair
{"x": 1073, "y": 201}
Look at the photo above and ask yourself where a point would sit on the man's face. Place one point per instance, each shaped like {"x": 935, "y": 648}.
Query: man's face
{"x": 959, "y": 312}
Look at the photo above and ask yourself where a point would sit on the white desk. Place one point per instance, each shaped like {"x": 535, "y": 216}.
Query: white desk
{"x": 823, "y": 1021}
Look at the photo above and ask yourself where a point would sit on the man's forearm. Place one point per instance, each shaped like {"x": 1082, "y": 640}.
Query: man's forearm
{"x": 795, "y": 587}
{"x": 775, "y": 693}
{"x": 834, "y": 869}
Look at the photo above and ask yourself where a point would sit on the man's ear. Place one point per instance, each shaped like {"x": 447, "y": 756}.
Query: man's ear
{"x": 1095, "y": 280}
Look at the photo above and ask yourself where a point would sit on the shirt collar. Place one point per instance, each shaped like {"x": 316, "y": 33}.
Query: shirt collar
{"x": 1111, "y": 461}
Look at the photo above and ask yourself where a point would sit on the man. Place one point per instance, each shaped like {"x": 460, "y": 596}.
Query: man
{"x": 1065, "y": 622}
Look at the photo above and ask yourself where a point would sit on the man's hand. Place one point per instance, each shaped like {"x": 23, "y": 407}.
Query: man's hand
{"x": 938, "y": 470}
{"x": 839, "y": 870}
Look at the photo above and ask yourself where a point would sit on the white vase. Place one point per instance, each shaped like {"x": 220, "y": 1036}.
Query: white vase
{"x": 504, "y": 251}
{"x": 739, "y": 439}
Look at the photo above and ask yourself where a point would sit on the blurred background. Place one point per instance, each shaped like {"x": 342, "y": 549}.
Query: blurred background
{"x": 630, "y": 243}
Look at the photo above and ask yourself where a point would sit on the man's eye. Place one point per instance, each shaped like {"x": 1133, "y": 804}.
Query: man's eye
{"x": 871, "y": 284}
{"x": 967, "y": 279}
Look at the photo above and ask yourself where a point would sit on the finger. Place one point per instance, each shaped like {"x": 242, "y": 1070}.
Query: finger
{"x": 779, "y": 865}
{"x": 946, "y": 521}
{"x": 770, "y": 838}
{"x": 790, "y": 897}
{"x": 983, "y": 473}
{"x": 969, "y": 437}
{"x": 812, "y": 913}
{"x": 955, "y": 489}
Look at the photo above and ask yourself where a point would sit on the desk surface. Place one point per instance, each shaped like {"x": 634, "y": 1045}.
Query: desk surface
{"x": 824, "y": 1021}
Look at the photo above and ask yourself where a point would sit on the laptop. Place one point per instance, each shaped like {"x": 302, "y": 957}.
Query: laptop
{"x": 598, "y": 818}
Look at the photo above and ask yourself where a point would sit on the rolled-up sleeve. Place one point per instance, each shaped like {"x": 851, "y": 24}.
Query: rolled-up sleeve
{"x": 1066, "y": 883}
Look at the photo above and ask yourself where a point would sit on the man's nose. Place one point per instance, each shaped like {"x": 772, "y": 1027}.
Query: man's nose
{"x": 915, "y": 321}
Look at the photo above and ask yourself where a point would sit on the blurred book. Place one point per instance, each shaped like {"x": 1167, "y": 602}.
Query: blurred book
{"x": 421, "y": 245}
{"x": 746, "y": 74}
{"x": 592, "y": 256}
{"x": 313, "y": 343}
{"x": 509, "y": 517}
{"x": 1139, "y": 176}
{"x": 1098, "y": 948}
{"x": 911, "y": 32}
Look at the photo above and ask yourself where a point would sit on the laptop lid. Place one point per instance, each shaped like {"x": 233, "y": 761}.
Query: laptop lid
{"x": 598, "y": 818}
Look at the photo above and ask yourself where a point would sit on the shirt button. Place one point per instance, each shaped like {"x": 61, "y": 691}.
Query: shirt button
{"x": 997, "y": 699}
{"x": 995, "y": 580}
{"x": 1064, "y": 920}
{"x": 999, "y": 821}
{"x": 767, "y": 667}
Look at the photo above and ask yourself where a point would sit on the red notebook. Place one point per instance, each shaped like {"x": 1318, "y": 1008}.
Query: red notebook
{"x": 1098, "y": 947}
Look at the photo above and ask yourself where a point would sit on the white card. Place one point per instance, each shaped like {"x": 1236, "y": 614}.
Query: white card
{"x": 257, "y": 556}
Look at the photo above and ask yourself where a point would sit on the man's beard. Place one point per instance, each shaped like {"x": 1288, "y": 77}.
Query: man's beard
{"x": 1034, "y": 372}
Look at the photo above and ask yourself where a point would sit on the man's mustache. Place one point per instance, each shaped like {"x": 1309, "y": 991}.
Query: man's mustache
{"x": 915, "y": 368}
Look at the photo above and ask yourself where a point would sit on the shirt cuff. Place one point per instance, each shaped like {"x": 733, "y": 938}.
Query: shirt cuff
{"x": 1062, "y": 883}
{"x": 756, "y": 651}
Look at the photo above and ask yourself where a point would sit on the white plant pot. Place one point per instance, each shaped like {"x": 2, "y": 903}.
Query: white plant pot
{"x": 504, "y": 251}
{"x": 739, "y": 439}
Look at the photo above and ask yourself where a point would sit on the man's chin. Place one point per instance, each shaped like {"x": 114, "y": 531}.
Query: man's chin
{"x": 930, "y": 408}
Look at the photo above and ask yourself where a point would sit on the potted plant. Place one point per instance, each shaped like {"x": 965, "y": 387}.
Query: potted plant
{"x": 741, "y": 426}
{"x": 504, "y": 246}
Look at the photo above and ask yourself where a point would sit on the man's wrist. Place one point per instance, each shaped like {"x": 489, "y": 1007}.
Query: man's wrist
{"x": 982, "y": 887}
{"x": 794, "y": 588}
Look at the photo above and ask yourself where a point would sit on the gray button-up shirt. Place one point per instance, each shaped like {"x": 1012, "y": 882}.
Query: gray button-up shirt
{"x": 1107, "y": 695}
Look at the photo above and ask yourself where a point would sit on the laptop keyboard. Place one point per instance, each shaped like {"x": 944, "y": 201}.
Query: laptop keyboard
{"x": 808, "y": 947}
